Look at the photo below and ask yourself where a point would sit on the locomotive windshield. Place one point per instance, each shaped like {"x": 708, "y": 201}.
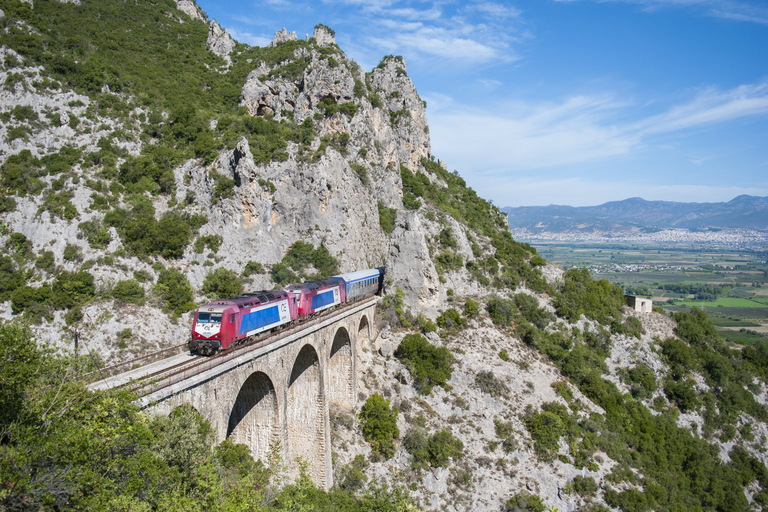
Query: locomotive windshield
{"x": 208, "y": 318}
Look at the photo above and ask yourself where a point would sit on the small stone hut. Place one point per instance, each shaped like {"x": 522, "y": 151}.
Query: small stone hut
{"x": 640, "y": 304}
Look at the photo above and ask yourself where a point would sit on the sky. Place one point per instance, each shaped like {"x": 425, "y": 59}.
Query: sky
{"x": 571, "y": 102}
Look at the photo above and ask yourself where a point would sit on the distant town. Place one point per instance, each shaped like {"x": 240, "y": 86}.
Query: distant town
{"x": 729, "y": 237}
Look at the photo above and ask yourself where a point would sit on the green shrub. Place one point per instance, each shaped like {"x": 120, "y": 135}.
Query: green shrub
{"x": 72, "y": 253}
{"x": 142, "y": 276}
{"x": 429, "y": 365}
{"x": 450, "y": 319}
{"x": 386, "y": 218}
{"x": 547, "y": 427}
{"x": 488, "y": 383}
{"x": 471, "y": 308}
{"x": 98, "y": 235}
{"x": 129, "y": 291}
{"x": 379, "y": 425}
{"x": 222, "y": 283}
{"x": 584, "y": 486}
{"x": 524, "y": 502}
{"x": 501, "y": 311}
{"x": 295, "y": 264}
{"x": 46, "y": 261}
{"x": 597, "y": 300}
{"x": 175, "y": 291}
{"x": 212, "y": 242}
{"x": 506, "y": 434}
{"x": 253, "y": 267}
{"x": 10, "y": 277}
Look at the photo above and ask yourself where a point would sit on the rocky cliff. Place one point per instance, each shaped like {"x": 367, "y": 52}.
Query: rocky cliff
{"x": 131, "y": 194}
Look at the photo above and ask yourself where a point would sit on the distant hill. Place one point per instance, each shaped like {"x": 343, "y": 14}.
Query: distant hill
{"x": 637, "y": 214}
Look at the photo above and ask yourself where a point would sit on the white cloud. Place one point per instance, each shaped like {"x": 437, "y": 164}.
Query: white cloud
{"x": 752, "y": 12}
{"x": 520, "y": 136}
{"x": 249, "y": 37}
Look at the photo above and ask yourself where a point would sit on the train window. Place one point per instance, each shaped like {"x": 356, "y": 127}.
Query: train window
{"x": 209, "y": 318}
{"x": 270, "y": 296}
{"x": 262, "y": 298}
{"x": 231, "y": 318}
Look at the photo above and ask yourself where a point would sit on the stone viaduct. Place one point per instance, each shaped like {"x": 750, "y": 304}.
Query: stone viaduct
{"x": 277, "y": 396}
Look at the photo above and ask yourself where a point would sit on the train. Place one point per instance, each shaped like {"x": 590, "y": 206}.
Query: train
{"x": 229, "y": 322}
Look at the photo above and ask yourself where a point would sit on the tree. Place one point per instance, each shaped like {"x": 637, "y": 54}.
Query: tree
{"x": 222, "y": 283}
{"x": 379, "y": 424}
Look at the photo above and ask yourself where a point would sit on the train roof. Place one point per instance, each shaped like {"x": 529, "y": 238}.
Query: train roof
{"x": 313, "y": 285}
{"x": 253, "y": 299}
{"x": 359, "y": 274}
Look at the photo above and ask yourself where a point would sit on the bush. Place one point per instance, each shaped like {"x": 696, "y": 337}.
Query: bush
{"x": 222, "y": 283}
{"x": 174, "y": 289}
{"x": 294, "y": 265}
{"x": 471, "y": 308}
{"x": 379, "y": 425}
{"x": 72, "y": 253}
{"x": 501, "y": 311}
{"x": 435, "y": 450}
{"x": 212, "y": 242}
{"x": 488, "y": 383}
{"x": 97, "y": 234}
{"x": 129, "y": 291}
{"x": 524, "y": 502}
{"x": 386, "y": 218}
{"x": 450, "y": 319}
{"x": 253, "y": 267}
{"x": 429, "y": 365}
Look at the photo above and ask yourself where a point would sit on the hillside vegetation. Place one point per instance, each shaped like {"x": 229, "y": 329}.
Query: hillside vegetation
{"x": 135, "y": 188}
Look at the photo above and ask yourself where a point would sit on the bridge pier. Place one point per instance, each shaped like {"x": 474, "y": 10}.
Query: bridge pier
{"x": 281, "y": 392}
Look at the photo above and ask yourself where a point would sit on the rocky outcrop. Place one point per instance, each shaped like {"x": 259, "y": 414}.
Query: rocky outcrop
{"x": 324, "y": 36}
{"x": 191, "y": 9}
{"x": 282, "y": 36}
{"x": 219, "y": 41}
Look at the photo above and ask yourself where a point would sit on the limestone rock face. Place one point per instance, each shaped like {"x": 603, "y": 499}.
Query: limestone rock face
{"x": 190, "y": 8}
{"x": 219, "y": 41}
{"x": 282, "y": 36}
{"x": 328, "y": 191}
{"x": 323, "y": 36}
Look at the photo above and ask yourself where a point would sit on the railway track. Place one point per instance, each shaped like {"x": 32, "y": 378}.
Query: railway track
{"x": 146, "y": 379}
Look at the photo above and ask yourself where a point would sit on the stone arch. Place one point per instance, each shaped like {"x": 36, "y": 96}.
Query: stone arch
{"x": 305, "y": 415}
{"x": 340, "y": 370}
{"x": 254, "y": 417}
{"x": 363, "y": 330}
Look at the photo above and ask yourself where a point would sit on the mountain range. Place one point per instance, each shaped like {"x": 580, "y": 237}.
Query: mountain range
{"x": 747, "y": 212}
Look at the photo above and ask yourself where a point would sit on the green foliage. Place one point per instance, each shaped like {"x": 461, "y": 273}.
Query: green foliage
{"x": 361, "y": 172}
{"x": 435, "y": 451}
{"x": 222, "y": 283}
{"x": 46, "y": 261}
{"x": 175, "y": 291}
{"x": 501, "y": 311}
{"x": 487, "y": 382}
{"x": 386, "y": 218}
{"x": 631, "y": 327}
{"x": 584, "y": 486}
{"x": 253, "y": 267}
{"x": 295, "y": 265}
{"x": 530, "y": 311}
{"x": 129, "y": 291}
{"x": 642, "y": 380}
{"x": 471, "y": 308}
{"x": 212, "y": 242}
{"x": 450, "y": 320}
{"x": 524, "y": 502}
{"x": 448, "y": 261}
{"x": 429, "y": 365}
{"x": 21, "y": 366}
{"x": 547, "y": 427}
{"x": 96, "y": 233}
{"x": 597, "y": 300}
{"x": 143, "y": 235}
{"x": 379, "y": 425}
{"x": 506, "y": 434}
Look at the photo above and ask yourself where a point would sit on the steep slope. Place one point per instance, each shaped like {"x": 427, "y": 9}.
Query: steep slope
{"x": 152, "y": 184}
{"x": 134, "y": 189}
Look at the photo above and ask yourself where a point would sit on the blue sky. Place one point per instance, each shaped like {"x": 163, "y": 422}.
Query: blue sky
{"x": 572, "y": 102}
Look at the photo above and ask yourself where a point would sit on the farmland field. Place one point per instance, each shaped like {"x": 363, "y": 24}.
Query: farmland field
{"x": 677, "y": 275}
